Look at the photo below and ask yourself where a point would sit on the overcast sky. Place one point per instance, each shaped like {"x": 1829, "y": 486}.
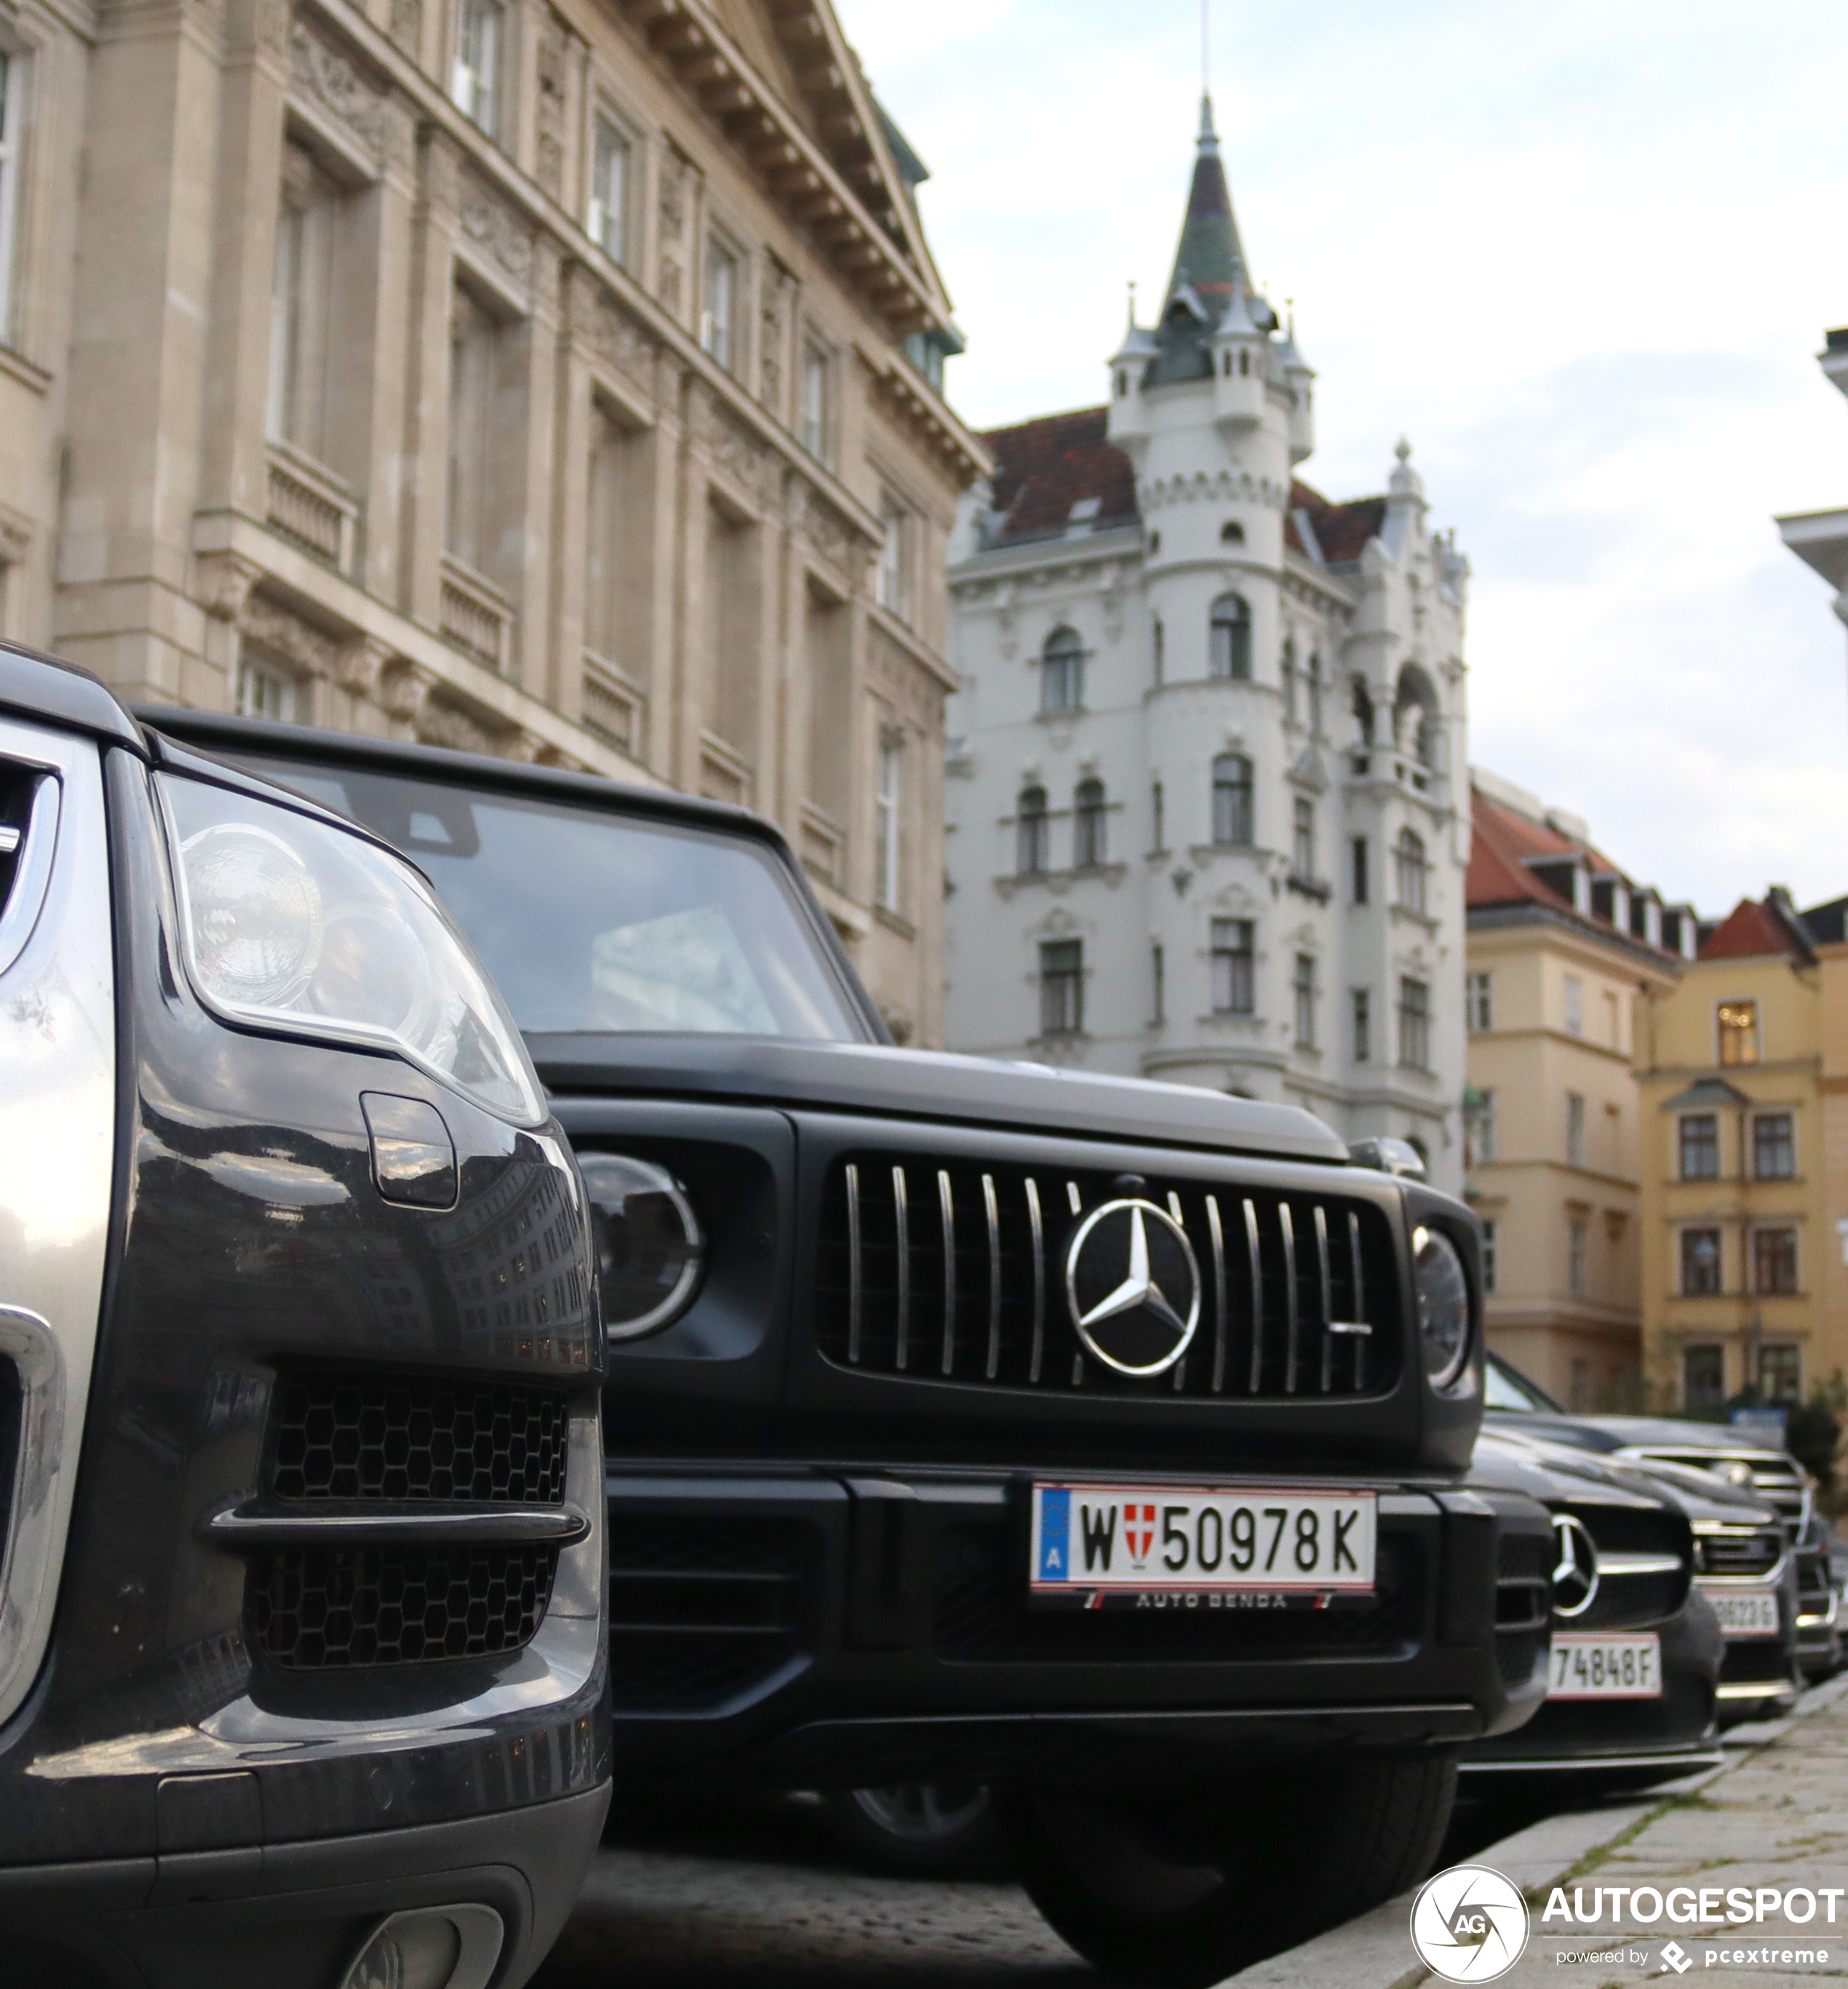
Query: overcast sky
{"x": 1582, "y": 256}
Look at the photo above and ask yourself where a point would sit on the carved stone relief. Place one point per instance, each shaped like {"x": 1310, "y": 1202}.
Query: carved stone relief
{"x": 676, "y": 200}
{"x": 287, "y": 637}
{"x": 493, "y": 226}
{"x": 442, "y": 722}
{"x": 731, "y": 448}
{"x": 620, "y": 342}
{"x": 325, "y": 78}
{"x": 551, "y": 67}
{"x": 407, "y": 24}
{"x": 779, "y": 297}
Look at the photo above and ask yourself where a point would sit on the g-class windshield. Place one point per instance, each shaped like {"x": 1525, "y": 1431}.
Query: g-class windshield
{"x": 595, "y": 921}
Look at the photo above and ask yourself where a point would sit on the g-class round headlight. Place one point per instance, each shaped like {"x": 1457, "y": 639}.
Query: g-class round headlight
{"x": 290, "y": 924}
{"x": 651, "y": 1251}
{"x": 1443, "y": 1305}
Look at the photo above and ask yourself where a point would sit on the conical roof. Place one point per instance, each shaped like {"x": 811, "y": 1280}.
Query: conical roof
{"x": 1210, "y": 256}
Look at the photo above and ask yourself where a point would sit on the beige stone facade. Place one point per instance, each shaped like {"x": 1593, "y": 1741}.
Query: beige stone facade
{"x": 1561, "y": 948}
{"x": 559, "y": 381}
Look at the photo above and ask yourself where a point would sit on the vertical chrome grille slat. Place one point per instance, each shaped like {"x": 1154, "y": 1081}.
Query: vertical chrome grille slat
{"x": 1362, "y": 1331}
{"x": 1287, "y": 1226}
{"x": 946, "y": 1201}
{"x": 992, "y": 1210}
{"x": 854, "y": 1287}
{"x": 904, "y": 1268}
{"x": 1038, "y": 1226}
{"x": 1326, "y": 1297}
{"x": 1257, "y": 1297}
{"x": 1217, "y": 1238}
{"x": 1073, "y": 1197}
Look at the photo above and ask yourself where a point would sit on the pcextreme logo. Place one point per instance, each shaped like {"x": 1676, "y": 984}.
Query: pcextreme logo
{"x": 1469, "y": 1924}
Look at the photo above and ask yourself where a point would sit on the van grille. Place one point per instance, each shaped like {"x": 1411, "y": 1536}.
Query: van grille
{"x": 950, "y": 1270}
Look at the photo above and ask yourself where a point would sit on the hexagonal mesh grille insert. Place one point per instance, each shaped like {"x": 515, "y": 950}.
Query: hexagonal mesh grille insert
{"x": 417, "y": 1437}
{"x": 332, "y": 1608}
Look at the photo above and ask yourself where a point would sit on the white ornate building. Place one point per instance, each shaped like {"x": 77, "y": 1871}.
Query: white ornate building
{"x": 1208, "y": 796}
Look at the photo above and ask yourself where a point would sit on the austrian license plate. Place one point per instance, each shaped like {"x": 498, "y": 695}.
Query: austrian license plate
{"x": 1588, "y": 1666}
{"x": 1104, "y": 1540}
{"x": 1746, "y": 1612}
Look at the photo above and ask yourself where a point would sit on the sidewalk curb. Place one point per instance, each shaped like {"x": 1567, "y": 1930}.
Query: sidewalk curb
{"x": 1375, "y": 1951}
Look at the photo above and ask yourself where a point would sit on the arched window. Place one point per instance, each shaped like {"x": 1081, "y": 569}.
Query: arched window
{"x": 1414, "y": 870}
{"x": 1032, "y": 848}
{"x": 1062, "y": 671}
{"x": 1315, "y": 697}
{"x": 1229, "y": 652}
{"x": 1415, "y": 717}
{"x": 1286, "y": 672}
{"x": 1232, "y": 811}
{"x": 1363, "y": 717}
{"x": 1087, "y": 825}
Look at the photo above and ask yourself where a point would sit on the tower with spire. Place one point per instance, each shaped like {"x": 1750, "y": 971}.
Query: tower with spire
{"x": 1208, "y": 781}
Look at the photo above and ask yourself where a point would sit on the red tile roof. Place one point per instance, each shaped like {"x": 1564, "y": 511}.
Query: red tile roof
{"x": 1044, "y": 467}
{"x": 1750, "y": 929}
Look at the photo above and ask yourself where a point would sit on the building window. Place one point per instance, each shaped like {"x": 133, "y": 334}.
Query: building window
{"x": 1780, "y": 1375}
{"x": 302, "y": 312}
{"x": 1414, "y": 870}
{"x": 1414, "y": 1024}
{"x": 1234, "y": 967}
{"x": 815, "y": 421}
{"x": 475, "y": 87}
{"x": 1087, "y": 825}
{"x": 1232, "y": 809}
{"x": 1157, "y": 807}
{"x": 1033, "y": 833}
{"x": 1229, "y": 652}
{"x": 1061, "y": 987}
{"x": 1161, "y": 642}
{"x": 894, "y": 582}
{"x": 1699, "y": 1139}
{"x": 1703, "y": 1378}
{"x": 887, "y": 821}
{"x": 1574, "y": 1005}
{"x": 1286, "y": 675}
{"x": 1158, "y": 974}
{"x": 1302, "y": 839}
{"x": 718, "y": 322}
{"x": 1479, "y": 1130}
{"x": 1061, "y": 672}
{"x": 1773, "y": 1263}
{"x": 265, "y": 692}
{"x": 1362, "y": 883}
{"x": 609, "y": 222}
{"x": 1363, "y": 717}
{"x": 1302, "y": 986}
{"x": 1700, "y": 1263}
{"x": 1578, "y": 1232}
{"x": 474, "y": 363}
{"x": 1363, "y": 1026}
{"x": 1738, "y": 1032}
{"x": 1315, "y": 697}
{"x": 1575, "y": 1128}
{"x": 1774, "y": 1152}
{"x": 12, "y": 131}
{"x": 1479, "y": 1003}
{"x": 1491, "y": 1266}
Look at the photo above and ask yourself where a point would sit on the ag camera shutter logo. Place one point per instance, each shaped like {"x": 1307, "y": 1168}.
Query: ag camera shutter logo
{"x": 1469, "y": 1924}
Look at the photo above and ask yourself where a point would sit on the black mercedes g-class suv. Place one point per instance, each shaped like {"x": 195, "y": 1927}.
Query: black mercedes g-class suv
{"x": 303, "y": 1679}
{"x": 1098, "y": 1439}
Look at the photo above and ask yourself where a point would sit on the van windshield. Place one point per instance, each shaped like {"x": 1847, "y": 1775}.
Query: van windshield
{"x": 594, "y": 922}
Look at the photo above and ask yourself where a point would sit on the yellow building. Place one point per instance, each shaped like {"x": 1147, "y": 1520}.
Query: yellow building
{"x": 1743, "y": 1076}
{"x": 1560, "y": 943}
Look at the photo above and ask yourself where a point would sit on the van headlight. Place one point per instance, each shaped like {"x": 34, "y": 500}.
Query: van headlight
{"x": 290, "y": 924}
{"x": 1443, "y": 1305}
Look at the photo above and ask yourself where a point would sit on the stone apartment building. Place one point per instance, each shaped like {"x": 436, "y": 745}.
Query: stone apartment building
{"x": 1206, "y": 811}
{"x": 1561, "y": 944}
{"x": 1743, "y": 1071}
{"x": 554, "y": 378}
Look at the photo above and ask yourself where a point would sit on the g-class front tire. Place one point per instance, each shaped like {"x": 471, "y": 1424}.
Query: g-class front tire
{"x": 1180, "y": 1884}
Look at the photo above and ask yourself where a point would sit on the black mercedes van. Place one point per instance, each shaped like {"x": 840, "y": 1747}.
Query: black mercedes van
{"x": 303, "y": 1670}
{"x": 1100, "y": 1440}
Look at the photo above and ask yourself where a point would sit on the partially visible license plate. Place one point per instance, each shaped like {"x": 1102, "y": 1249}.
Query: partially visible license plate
{"x": 1746, "y": 1612}
{"x": 1098, "y": 1538}
{"x": 1588, "y": 1666}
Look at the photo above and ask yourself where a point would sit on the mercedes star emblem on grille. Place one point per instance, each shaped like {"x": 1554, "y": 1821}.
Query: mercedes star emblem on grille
{"x": 1133, "y": 1286}
{"x": 1575, "y": 1578}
